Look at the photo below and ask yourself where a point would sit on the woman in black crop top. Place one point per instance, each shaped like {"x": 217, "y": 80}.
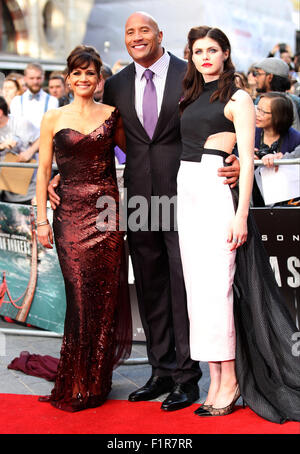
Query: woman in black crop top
{"x": 223, "y": 259}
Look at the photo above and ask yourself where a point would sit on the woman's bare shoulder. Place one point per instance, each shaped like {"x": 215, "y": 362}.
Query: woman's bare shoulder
{"x": 51, "y": 117}
{"x": 242, "y": 96}
{"x": 54, "y": 114}
{"x": 107, "y": 108}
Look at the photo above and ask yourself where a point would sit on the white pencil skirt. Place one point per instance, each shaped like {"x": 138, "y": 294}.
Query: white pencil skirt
{"x": 205, "y": 210}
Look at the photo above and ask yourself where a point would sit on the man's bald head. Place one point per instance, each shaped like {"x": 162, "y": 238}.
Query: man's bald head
{"x": 143, "y": 38}
{"x": 144, "y": 15}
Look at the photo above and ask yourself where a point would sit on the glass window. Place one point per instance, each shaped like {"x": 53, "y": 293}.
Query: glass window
{"x": 7, "y": 30}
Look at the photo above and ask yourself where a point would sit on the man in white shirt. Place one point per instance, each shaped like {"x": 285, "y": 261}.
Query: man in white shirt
{"x": 32, "y": 105}
{"x": 35, "y": 101}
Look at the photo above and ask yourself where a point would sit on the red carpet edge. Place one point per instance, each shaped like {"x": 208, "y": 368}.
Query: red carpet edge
{"x": 24, "y": 414}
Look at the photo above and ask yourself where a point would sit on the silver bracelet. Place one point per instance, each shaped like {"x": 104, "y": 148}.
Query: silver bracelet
{"x": 42, "y": 223}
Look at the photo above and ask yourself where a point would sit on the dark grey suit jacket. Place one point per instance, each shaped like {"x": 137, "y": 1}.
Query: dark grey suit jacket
{"x": 151, "y": 164}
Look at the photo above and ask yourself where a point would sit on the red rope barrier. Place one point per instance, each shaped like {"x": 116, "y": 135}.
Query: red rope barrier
{"x": 4, "y": 290}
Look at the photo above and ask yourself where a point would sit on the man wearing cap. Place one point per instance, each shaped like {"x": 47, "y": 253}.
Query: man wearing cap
{"x": 272, "y": 74}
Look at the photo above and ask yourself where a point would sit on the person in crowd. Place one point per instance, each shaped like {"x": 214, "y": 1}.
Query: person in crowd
{"x": 297, "y": 65}
{"x": 35, "y": 101}
{"x": 152, "y": 161}
{"x": 296, "y": 75}
{"x": 269, "y": 159}
{"x": 68, "y": 92}
{"x": 283, "y": 51}
{"x": 57, "y": 88}
{"x": 106, "y": 72}
{"x": 11, "y": 88}
{"x": 20, "y": 79}
{"x": 274, "y": 118}
{"x": 272, "y": 74}
{"x": 98, "y": 328}
{"x": 274, "y": 134}
{"x": 242, "y": 81}
{"x": 118, "y": 66}
{"x": 251, "y": 83}
{"x": 186, "y": 52}
{"x": 18, "y": 136}
{"x": 248, "y": 345}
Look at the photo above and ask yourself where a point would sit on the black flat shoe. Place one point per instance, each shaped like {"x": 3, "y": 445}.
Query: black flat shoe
{"x": 182, "y": 396}
{"x": 155, "y": 387}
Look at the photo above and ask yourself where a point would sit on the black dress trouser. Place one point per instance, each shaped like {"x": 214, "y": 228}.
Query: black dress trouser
{"x": 161, "y": 297}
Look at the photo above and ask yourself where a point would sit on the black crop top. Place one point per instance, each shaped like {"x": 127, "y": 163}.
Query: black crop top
{"x": 200, "y": 120}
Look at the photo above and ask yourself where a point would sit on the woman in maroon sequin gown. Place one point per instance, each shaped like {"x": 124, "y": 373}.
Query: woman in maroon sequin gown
{"x": 98, "y": 321}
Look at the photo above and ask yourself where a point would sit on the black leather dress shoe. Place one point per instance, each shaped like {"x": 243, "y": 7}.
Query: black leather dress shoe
{"x": 182, "y": 396}
{"x": 155, "y": 387}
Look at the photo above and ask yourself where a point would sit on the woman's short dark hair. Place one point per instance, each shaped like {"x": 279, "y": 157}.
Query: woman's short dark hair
{"x": 82, "y": 57}
{"x": 282, "y": 111}
{"x": 193, "y": 82}
{"x": 3, "y": 106}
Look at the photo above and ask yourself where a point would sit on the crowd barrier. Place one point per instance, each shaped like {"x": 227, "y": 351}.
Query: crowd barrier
{"x": 31, "y": 276}
{"x": 257, "y": 162}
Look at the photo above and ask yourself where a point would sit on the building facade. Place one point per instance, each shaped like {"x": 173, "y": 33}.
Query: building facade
{"x": 45, "y": 30}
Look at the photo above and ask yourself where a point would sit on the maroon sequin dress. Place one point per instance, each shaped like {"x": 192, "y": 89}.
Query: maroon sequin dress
{"x": 98, "y": 329}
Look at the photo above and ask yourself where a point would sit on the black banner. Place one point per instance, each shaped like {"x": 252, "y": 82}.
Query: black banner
{"x": 280, "y": 233}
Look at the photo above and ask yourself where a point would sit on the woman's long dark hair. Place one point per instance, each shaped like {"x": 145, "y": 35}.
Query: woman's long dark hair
{"x": 193, "y": 81}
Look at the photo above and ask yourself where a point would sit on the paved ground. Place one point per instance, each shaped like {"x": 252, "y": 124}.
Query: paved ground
{"x": 126, "y": 378}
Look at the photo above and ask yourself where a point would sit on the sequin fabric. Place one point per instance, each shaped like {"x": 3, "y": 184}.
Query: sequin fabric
{"x": 98, "y": 329}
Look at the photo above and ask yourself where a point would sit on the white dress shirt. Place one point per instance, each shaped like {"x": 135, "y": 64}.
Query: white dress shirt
{"x": 33, "y": 109}
{"x": 160, "y": 69}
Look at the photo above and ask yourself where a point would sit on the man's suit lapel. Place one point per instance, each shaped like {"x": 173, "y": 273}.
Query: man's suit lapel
{"x": 171, "y": 97}
{"x": 130, "y": 101}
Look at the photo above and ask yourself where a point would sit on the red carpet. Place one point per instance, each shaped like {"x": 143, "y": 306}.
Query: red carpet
{"x": 22, "y": 414}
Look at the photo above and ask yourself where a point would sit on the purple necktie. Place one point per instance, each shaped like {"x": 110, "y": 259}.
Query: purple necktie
{"x": 149, "y": 104}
